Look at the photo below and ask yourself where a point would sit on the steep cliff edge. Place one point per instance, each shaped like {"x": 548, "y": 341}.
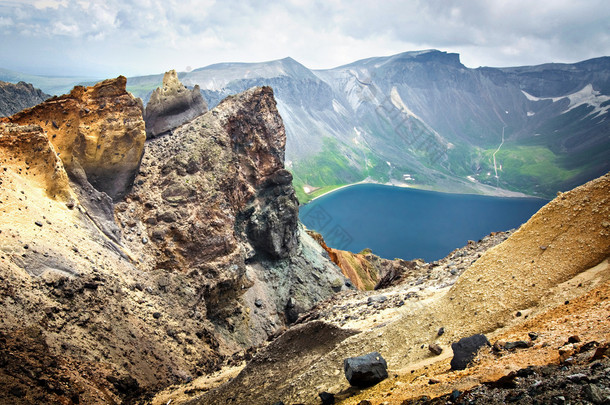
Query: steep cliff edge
{"x": 19, "y": 96}
{"x": 97, "y": 130}
{"x": 213, "y": 201}
{"x": 172, "y": 105}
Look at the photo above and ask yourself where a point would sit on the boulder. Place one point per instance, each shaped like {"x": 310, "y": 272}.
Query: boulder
{"x": 365, "y": 371}
{"x": 465, "y": 350}
{"x": 327, "y": 398}
{"x": 172, "y": 105}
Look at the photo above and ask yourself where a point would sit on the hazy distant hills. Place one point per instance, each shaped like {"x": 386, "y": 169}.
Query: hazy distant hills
{"x": 424, "y": 119}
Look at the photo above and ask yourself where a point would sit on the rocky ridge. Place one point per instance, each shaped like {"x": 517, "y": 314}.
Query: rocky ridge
{"x": 214, "y": 201}
{"x": 98, "y": 132}
{"x": 367, "y": 271}
{"x": 209, "y": 259}
{"x": 19, "y": 96}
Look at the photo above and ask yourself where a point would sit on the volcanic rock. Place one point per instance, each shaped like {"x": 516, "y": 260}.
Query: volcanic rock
{"x": 367, "y": 370}
{"x": 172, "y": 105}
{"x": 215, "y": 202}
{"x": 16, "y": 97}
{"x": 465, "y": 350}
{"x": 117, "y": 321}
{"x": 98, "y": 130}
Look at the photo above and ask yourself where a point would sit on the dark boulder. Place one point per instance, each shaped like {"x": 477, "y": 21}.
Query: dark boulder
{"x": 365, "y": 371}
{"x": 466, "y": 349}
{"x": 327, "y": 398}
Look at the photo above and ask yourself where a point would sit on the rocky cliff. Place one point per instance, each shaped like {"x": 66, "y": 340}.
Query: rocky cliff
{"x": 367, "y": 271}
{"x": 213, "y": 201}
{"x": 208, "y": 261}
{"x": 98, "y": 132}
{"x": 172, "y": 105}
{"x": 16, "y": 97}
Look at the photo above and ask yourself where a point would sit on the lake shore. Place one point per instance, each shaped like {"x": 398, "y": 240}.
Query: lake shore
{"x": 479, "y": 189}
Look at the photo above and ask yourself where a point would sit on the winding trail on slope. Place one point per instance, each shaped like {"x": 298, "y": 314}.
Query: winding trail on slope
{"x": 497, "y": 150}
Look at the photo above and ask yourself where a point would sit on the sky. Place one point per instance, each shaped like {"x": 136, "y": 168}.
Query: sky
{"x": 105, "y": 38}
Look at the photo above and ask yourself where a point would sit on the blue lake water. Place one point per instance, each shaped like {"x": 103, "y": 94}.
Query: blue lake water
{"x": 407, "y": 223}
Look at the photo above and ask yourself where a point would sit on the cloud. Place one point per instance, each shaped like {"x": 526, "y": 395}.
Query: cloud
{"x": 149, "y": 36}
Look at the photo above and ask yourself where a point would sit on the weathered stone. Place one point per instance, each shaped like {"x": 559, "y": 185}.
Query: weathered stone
{"x": 365, "y": 371}
{"x": 435, "y": 349}
{"x": 98, "y": 129}
{"x": 465, "y": 350}
{"x": 172, "y": 105}
{"x": 594, "y": 394}
{"x": 520, "y": 344}
{"x": 16, "y": 97}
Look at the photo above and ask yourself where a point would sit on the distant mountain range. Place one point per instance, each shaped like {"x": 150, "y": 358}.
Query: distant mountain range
{"x": 424, "y": 119}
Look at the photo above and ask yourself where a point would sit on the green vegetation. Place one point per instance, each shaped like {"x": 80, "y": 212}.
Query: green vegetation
{"x": 328, "y": 170}
{"x": 534, "y": 169}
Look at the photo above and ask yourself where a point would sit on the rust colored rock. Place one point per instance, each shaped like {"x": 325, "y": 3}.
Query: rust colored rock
{"x": 97, "y": 130}
{"x": 172, "y": 105}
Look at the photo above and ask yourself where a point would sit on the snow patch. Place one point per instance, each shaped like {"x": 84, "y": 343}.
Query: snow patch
{"x": 530, "y": 113}
{"x": 591, "y": 97}
{"x": 339, "y": 109}
{"x": 587, "y": 95}
{"x": 398, "y": 103}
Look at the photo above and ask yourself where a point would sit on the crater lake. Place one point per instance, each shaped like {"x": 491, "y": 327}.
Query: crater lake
{"x": 407, "y": 223}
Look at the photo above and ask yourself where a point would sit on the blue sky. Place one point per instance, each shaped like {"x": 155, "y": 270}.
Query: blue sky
{"x": 137, "y": 37}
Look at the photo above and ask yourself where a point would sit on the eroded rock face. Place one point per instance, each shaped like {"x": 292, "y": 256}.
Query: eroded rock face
{"x": 172, "y": 105}
{"x": 16, "y": 97}
{"x": 213, "y": 260}
{"x": 98, "y": 130}
{"x": 27, "y": 150}
{"x": 214, "y": 201}
{"x": 79, "y": 321}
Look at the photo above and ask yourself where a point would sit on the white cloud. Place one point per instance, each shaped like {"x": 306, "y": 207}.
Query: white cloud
{"x": 6, "y": 22}
{"x": 43, "y": 4}
{"x": 149, "y": 36}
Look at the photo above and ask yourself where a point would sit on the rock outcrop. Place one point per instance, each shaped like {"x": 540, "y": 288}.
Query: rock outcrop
{"x": 214, "y": 202}
{"x": 172, "y": 105}
{"x": 96, "y": 131}
{"x": 16, "y": 97}
{"x": 212, "y": 261}
{"x": 367, "y": 271}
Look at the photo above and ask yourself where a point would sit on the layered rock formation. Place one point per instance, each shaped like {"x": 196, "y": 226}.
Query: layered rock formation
{"x": 172, "y": 105}
{"x": 16, "y": 97}
{"x": 212, "y": 259}
{"x": 98, "y": 132}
